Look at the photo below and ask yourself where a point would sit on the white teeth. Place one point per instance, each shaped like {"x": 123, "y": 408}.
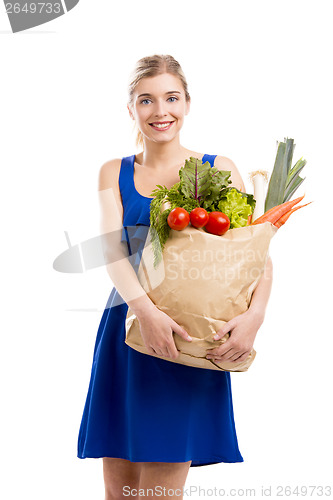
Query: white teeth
{"x": 161, "y": 125}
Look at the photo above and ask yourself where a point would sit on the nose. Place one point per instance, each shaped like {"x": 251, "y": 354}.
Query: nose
{"x": 160, "y": 109}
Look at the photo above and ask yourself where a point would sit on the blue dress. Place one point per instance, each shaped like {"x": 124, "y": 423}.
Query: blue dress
{"x": 146, "y": 409}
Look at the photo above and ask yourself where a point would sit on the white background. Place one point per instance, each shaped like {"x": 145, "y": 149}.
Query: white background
{"x": 258, "y": 71}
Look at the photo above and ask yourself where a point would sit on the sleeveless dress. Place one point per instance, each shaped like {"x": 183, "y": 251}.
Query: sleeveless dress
{"x": 146, "y": 409}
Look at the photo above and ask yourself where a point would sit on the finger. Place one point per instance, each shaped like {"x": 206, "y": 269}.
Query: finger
{"x": 229, "y": 355}
{"x": 222, "y": 356}
{"x": 181, "y": 332}
{"x": 151, "y": 351}
{"x": 168, "y": 355}
{"x": 165, "y": 352}
{"x": 243, "y": 356}
{"x": 221, "y": 349}
{"x": 158, "y": 351}
{"x": 173, "y": 352}
{"x": 236, "y": 356}
{"x": 225, "y": 329}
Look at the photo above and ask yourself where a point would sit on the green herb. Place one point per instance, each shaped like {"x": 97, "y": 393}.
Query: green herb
{"x": 159, "y": 227}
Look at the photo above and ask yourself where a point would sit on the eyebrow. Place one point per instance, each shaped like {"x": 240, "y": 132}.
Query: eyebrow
{"x": 170, "y": 92}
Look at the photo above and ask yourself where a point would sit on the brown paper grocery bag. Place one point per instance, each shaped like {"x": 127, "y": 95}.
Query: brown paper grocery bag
{"x": 202, "y": 282}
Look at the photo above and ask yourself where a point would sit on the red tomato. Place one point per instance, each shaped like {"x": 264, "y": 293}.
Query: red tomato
{"x": 178, "y": 218}
{"x": 218, "y": 223}
{"x": 199, "y": 217}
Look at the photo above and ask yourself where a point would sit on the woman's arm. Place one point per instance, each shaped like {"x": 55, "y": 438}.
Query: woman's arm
{"x": 244, "y": 327}
{"x": 117, "y": 264}
{"x": 156, "y": 326}
{"x": 262, "y": 292}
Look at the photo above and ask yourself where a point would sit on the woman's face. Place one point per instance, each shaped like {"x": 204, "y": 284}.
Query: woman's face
{"x": 159, "y": 107}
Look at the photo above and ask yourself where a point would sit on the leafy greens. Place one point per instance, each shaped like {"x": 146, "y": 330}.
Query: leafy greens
{"x": 237, "y": 206}
{"x": 200, "y": 186}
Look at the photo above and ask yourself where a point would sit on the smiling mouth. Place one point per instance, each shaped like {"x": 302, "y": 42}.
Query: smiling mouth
{"x": 161, "y": 125}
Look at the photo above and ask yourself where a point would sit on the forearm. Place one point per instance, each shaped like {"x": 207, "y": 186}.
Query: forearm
{"x": 125, "y": 279}
{"x": 262, "y": 292}
{"x": 115, "y": 251}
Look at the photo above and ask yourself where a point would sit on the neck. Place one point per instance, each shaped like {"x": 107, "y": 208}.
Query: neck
{"x": 158, "y": 155}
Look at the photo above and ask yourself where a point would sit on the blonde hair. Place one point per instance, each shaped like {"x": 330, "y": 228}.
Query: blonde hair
{"x": 152, "y": 66}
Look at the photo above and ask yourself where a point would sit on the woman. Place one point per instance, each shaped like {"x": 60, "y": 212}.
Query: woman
{"x": 145, "y": 415}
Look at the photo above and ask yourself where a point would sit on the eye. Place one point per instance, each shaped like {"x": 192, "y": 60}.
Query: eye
{"x": 145, "y": 101}
{"x": 173, "y": 99}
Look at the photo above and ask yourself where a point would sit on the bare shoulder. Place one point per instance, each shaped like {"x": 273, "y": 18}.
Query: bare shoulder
{"x": 109, "y": 174}
{"x": 224, "y": 163}
{"x": 109, "y": 196}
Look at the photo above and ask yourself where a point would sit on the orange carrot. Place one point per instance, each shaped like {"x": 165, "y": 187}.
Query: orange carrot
{"x": 275, "y": 213}
{"x": 286, "y": 216}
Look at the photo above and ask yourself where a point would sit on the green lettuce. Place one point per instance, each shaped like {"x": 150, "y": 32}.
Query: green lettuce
{"x": 237, "y": 206}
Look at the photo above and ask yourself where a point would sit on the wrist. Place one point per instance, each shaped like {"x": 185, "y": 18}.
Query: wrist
{"x": 141, "y": 306}
{"x": 258, "y": 314}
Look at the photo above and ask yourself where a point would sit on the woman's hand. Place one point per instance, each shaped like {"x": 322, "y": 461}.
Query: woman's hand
{"x": 156, "y": 329}
{"x": 243, "y": 330}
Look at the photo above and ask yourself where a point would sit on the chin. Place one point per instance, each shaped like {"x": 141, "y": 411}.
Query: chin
{"x": 164, "y": 140}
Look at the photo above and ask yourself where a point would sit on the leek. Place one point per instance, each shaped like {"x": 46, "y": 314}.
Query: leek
{"x": 284, "y": 180}
{"x": 259, "y": 179}
{"x": 294, "y": 180}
